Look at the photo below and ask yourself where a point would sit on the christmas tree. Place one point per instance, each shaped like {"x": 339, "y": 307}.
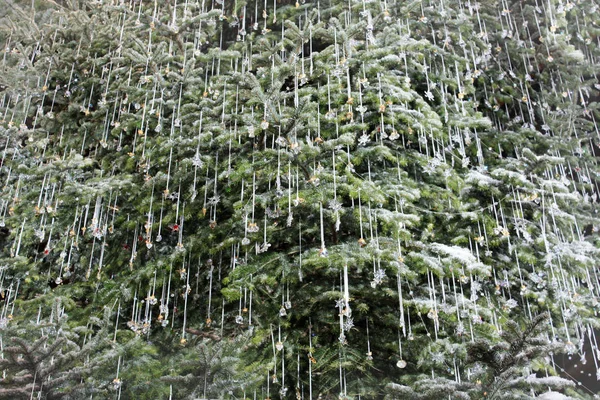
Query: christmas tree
{"x": 319, "y": 199}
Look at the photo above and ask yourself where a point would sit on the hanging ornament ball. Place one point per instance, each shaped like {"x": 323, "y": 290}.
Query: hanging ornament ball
{"x": 362, "y": 242}
{"x": 401, "y": 364}
{"x": 279, "y": 346}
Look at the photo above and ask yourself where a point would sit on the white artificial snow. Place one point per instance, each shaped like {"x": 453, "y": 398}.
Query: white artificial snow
{"x": 478, "y": 179}
{"x": 553, "y": 396}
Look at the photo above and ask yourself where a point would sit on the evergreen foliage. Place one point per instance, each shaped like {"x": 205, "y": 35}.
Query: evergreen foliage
{"x": 320, "y": 199}
{"x": 50, "y": 359}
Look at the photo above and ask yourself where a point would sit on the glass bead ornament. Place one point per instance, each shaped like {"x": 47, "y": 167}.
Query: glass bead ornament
{"x": 197, "y": 162}
{"x": 281, "y": 141}
{"x": 432, "y": 314}
{"x": 279, "y": 346}
{"x": 282, "y": 312}
{"x": 510, "y": 304}
{"x": 361, "y": 109}
{"x": 401, "y": 364}
{"x": 145, "y": 328}
{"x": 378, "y": 277}
{"x": 460, "y": 329}
{"x": 364, "y": 139}
{"x": 287, "y": 305}
{"x": 335, "y": 205}
{"x": 349, "y": 324}
{"x": 323, "y": 252}
{"x": 264, "y": 124}
{"x": 362, "y": 242}
{"x": 239, "y": 320}
{"x": 132, "y": 325}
